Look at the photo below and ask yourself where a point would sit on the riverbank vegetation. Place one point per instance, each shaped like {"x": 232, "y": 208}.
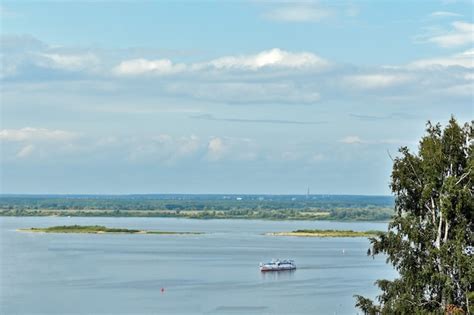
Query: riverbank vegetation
{"x": 383, "y": 214}
{"x": 289, "y": 207}
{"x": 328, "y": 233}
{"x": 96, "y": 229}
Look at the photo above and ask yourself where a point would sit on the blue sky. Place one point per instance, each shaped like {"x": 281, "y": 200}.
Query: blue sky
{"x": 224, "y": 97}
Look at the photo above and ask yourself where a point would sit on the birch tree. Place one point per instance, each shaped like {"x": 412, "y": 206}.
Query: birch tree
{"x": 430, "y": 238}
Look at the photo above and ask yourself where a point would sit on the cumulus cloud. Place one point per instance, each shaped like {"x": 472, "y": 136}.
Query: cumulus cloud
{"x": 219, "y": 148}
{"x": 36, "y": 134}
{"x": 188, "y": 145}
{"x": 144, "y": 66}
{"x": 461, "y": 34}
{"x": 69, "y": 61}
{"x": 24, "y": 56}
{"x": 269, "y": 58}
{"x": 216, "y": 148}
{"x": 273, "y": 76}
{"x": 464, "y": 59}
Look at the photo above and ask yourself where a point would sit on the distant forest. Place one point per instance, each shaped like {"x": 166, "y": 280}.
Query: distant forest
{"x": 278, "y": 207}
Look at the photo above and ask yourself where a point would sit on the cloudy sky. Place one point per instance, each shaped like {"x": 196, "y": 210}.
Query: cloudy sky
{"x": 225, "y": 97}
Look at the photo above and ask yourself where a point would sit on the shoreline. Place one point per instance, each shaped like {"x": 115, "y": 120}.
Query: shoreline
{"x": 105, "y": 215}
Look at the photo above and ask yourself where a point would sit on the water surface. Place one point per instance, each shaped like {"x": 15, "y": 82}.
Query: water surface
{"x": 214, "y": 273}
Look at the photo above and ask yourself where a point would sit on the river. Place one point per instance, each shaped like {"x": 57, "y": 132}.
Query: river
{"x": 213, "y": 273}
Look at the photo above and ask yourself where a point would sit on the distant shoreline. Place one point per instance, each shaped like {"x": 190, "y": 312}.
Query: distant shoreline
{"x": 264, "y": 207}
{"x": 270, "y": 215}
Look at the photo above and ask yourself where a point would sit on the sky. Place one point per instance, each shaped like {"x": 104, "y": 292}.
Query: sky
{"x": 264, "y": 97}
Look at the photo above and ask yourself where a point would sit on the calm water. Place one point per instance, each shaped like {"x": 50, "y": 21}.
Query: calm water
{"x": 215, "y": 273}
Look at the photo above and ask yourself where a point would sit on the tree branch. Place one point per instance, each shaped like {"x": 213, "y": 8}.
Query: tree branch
{"x": 463, "y": 176}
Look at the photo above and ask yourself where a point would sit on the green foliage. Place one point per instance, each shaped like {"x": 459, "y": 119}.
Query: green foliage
{"x": 289, "y": 214}
{"x": 427, "y": 239}
{"x": 318, "y": 207}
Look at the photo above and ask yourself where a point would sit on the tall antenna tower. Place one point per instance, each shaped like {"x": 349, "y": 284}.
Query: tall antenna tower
{"x": 307, "y": 193}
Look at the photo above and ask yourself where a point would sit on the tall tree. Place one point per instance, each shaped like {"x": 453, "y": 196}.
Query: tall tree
{"x": 430, "y": 238}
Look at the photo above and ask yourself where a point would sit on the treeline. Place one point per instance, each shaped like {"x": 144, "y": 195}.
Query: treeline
{"x": 195, "y": 202}
{"x": 382, "y": 214}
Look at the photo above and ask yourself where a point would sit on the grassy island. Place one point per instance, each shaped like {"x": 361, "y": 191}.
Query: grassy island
{"x": 328, "y": 233}
{"x": 96, "y": 229}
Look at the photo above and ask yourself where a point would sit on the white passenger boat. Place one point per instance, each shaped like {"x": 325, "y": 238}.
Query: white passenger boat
{"x": 278, "y": 265}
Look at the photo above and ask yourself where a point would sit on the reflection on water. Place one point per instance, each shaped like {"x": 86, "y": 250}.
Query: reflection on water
{"x": 278, "y": 275}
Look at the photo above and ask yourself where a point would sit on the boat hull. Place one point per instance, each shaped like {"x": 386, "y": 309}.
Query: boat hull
{"x": 263, "y": 269}
{"x": 278, "y": 265}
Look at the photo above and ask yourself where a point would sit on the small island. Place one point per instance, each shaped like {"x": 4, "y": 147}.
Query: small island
{"x": 327, "y": 233}
{"x": 97, "y": 229}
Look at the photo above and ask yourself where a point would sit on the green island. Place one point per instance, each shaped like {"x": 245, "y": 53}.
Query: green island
{"x": 328, "y": 233}
{"x": 97, "y": 229}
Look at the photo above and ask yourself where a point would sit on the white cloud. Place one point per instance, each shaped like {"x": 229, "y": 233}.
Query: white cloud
{"x": 69, "y": 61}
{"x": 239, "y": 149}
{"x": 216, "y": 148}
{"x": 274, "y": 58}
{"x": 352, "y": 140}
{"x": 269, "y": 58}
{"x": 144, "y": 66}
{"x": 461, "y": 34}
{"x": 25, "y": 151}
{"x": 188, "y": 145}
{"x": 464, "y": 59}
{"x": 377, "y": 80}
{"x": 35, "y": 134}
{"x": 298, "y": 13}
{"x": 273, "y": 76}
